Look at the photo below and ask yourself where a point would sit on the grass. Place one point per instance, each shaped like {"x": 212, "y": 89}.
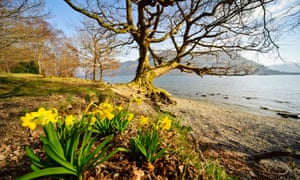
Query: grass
{"x": 35, "y": 85}
{"x": 188, "y": 151}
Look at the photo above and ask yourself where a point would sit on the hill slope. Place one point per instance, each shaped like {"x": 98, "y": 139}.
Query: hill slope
{"x": 286, "y": 67}
{"x": 238, "y": 66}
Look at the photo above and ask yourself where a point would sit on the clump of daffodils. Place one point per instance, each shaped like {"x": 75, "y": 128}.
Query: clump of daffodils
{"x": 103, "y": 120}
{"x": 162, "y": 124}
{"x": 147, "y": 143}
{"x": 107, "y": 118}
{"x": 109, "y": 112}
{"x": 41, "y": 117}
{"x": 106, "y": 110}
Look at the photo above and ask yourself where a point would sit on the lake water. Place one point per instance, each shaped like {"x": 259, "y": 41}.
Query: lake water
{"x": 258, "y": 94}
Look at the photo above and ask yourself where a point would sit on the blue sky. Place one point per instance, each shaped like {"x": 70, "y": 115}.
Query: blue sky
{"x": 64, "y": 18}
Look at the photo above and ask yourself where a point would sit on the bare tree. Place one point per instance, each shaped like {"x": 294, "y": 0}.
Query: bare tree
{"x": 21, "y": 26}
{"x": 61, "y": 57}
{"x": 26, "y": 49}
{"x": 188, "y": 28}
{"x": 98, "y": 45}
{"x": 23, "y": 13}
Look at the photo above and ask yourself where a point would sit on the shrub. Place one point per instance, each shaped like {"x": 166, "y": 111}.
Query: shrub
{"x": 26, "y": 67}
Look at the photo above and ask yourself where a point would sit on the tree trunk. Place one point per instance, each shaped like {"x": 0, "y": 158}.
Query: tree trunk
{"x": 145, "y": 76}
{"x": 94, "y": 69}
{"x": 101, "y": 69}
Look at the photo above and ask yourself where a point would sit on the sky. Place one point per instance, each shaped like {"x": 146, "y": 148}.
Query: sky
{"x": 65, "y": 19}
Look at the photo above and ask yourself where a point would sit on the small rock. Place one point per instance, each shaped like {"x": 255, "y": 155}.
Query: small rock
{"x": 116, "y": 176}
{"x": 289, "y": 115}
{"x": 252, "y": 174}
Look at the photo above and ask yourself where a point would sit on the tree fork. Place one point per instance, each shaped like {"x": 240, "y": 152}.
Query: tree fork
{"x": 144, "y": 81}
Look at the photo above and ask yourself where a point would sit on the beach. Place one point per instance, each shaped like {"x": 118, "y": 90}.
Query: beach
{"x": 236, "y": 137}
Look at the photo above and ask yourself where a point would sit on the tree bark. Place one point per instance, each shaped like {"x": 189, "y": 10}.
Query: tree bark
{"x": 145, "y": 76}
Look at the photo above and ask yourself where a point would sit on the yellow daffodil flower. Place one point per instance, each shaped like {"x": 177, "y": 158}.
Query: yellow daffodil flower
{"x": 93, "y": 120}
{"x": 107, "y": 107}
{"x": 29, "y": 121}
{"x": 109, "y": 115}
{"x": 144, "y": 120}
{"x": 105, "y": 110}
{"x": 138, "y": 100}
{"x": 69, "y": 120}
{"x": 120, "y": 108}
{"x": 130, "y": 116}
{"x": 165, "y": 123}
{"x": 42, "y": 116}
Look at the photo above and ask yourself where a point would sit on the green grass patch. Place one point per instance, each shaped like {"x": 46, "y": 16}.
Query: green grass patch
{"x": 36, "y": 85}
{"x": 187, "y": 150}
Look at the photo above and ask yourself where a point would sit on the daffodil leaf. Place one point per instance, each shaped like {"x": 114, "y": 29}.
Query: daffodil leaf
{"x": 51, "y": 154}
{"x": 53, "y": 139}
{"x": 47, "y": 172}
{"x": 159, "y": 154}
{"x": 74, "y": 147}
{"x": 35, "y": 159}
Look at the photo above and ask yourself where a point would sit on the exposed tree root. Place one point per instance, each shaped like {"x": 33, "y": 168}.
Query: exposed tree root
{"x": 155, "y": 94}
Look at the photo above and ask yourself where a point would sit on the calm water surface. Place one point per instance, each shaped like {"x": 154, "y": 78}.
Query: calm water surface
{"x": 250, "y": 93}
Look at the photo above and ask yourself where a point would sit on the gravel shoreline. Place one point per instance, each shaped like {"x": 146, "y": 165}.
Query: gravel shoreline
{"x": 236, "y": 137}
{"x": 244, "y": 134}
{"x": 217, "y": 123}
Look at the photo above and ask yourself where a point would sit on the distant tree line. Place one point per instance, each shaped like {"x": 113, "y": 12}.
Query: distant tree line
{"x": 29, "y": 44}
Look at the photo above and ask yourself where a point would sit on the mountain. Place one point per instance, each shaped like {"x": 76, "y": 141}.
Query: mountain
{"x": 238, "y": 65}
{"x": 127, "y": 68}
{"x": 286, "y": 67}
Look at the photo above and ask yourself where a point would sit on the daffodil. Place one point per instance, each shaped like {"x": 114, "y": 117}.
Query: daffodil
{"x": 107, "y": 107}
{"x": 69, "y": 120}
{"x": 29, "y": 121}
{"x": 46, "y": 116}
{"x": 144, "y": 120}
{"x": 100, "y": 113}
{"x": 109, "y": 115}
{"x": 130, "y": 116}
{"x": 165, "y": 123}
{"x": 42, "y": 116}
{"x": 93, "y": 120}
{"x": 138, "y": 100}
{"x": 105, "y": 110}
{"x": 120, "y": 108}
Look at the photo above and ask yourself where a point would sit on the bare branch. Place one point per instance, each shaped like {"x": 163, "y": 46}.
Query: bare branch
{"x": 115, "y": 27}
